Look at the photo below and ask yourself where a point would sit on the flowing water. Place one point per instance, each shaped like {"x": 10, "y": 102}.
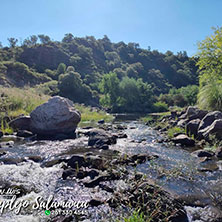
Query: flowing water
{"x": 176, "y": 170}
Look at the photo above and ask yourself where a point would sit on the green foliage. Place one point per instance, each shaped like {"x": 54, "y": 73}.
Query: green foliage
{"x": 181, "y": 97}
{"x": 71, "y": 86}
{"x": 136, "y": 217}
{"x": 15, "y": 101}
{"x": 49, "y": 88}
{"x": 210, "y": 57}
{"x": 5, "y": 127}
{"x": 210, "y": 67}
{"x": 92, "y": 115}
{"x": 210, "y": 96}
{"x": 160, "y": 106}
{"x": 61, "y": 69}
{"x": 129, "y": 92}
{"x": 127, "y": 95}
{"x": 31, "y": 41}
{"x": 94, "y": 58}
{"x": 190, "y": 94}
{"x": 51, "y": 73}
{"x": 135, "y": 95}
{"x": 147, "y": 119}
{"x": 12, "y": 42}
{"x": 18, "y": 74}
{"x": 44, "y": 39}
{"x": 91, "y": 56}
{"x": 109, "y": 86}
{"x": 70, "y": 69}
{"x": 174, "y": 130}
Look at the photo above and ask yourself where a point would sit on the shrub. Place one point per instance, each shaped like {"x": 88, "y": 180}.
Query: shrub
{"x": 210, "y": 96}
{"x": 49, "y": 88}
{"x": 160, "y": 107}
{"x": 181, "y": 97}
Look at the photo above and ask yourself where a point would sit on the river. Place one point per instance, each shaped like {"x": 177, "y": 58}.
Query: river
{"x": 33, "y": 167}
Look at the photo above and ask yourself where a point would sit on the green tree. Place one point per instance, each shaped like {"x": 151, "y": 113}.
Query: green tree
{"x": 70, "y": 69}
{"x": 12, "y": 42}
{"x": 110, "y": 87}
{"x": 69, "y": 83}
{"x": 210, "y": 57}
{"x": 71, "y": 86}
{"x": 210, "y": 67}
{"x": 135, "y": 95}
{"x": 68, "y": 38}
{"x": 61, "y": 69}
{"x": 44, "y": 39}
{"x": 129, "y": 93}
{"x": 31, "y": 41}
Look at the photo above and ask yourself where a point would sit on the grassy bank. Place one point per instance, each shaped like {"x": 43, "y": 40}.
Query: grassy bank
{"x": 16, "y": 101}
{"x": 155, "y": 120}
{"x": 92, "y": 115}
{"x": 153, "y": 117}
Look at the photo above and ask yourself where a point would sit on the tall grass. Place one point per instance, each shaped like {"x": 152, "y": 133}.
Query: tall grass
{"x": 5, "y": 127}
{"x": 89, "y": 114}
{"x": 15, "y": 101}
{"x": 210, "y": 96}
{"x": 174, "y": 130}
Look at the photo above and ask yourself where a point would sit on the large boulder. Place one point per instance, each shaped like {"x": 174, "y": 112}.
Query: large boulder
{"x": 214, "y": 129}
{"x": 21, "y": 123}
{"x": 207, "y": 121}
{"x": 55, "y": 117}
{"x": 193, "y": 112}
{"x": 77, "y": 161}
{"x": 192, "y": 127}
{"x": 184, "y": 140}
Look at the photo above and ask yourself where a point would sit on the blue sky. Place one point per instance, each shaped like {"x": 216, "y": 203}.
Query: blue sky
{"x": 174, "y": 25}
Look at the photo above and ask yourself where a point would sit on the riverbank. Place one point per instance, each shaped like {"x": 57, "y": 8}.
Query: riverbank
{"x": 192, "y": 127}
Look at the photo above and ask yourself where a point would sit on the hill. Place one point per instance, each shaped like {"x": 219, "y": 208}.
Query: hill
{"x": 38, "y": 60}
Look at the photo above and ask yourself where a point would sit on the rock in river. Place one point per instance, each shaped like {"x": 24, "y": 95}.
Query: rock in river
{"x": 203, "y": 153}
{"x": 24, "y": 133}
{"x": 99, "y": 138}
{"x": 21, "y": 123}
{"x": 184, "y": 140}
{"x": 57, "y": 116}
